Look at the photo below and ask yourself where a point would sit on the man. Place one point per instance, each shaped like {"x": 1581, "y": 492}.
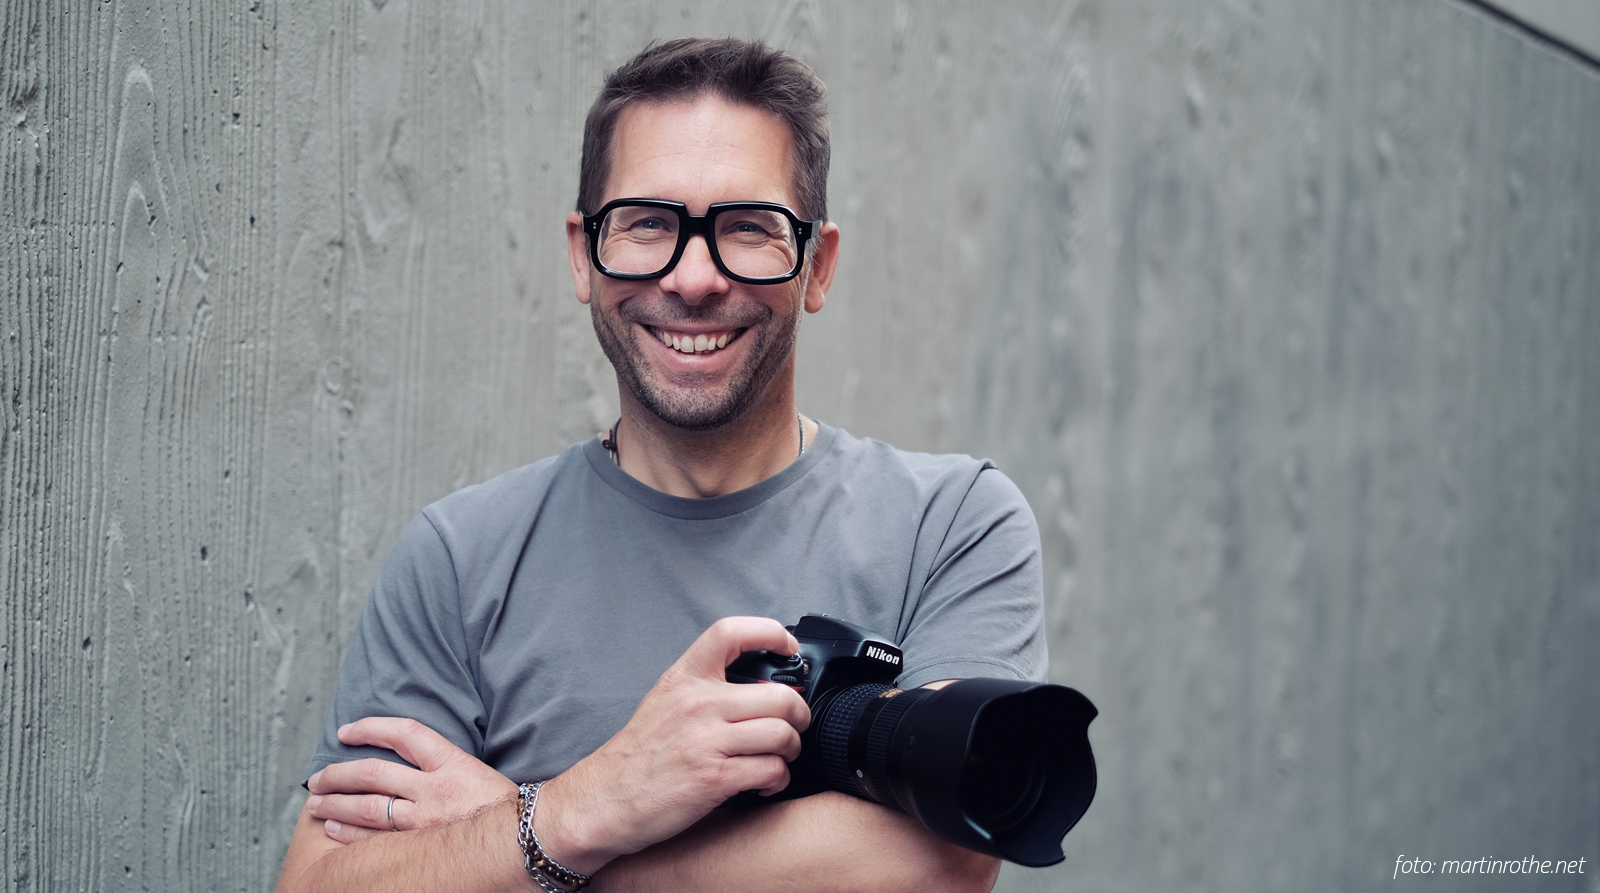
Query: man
{"x": 518, "y": 625}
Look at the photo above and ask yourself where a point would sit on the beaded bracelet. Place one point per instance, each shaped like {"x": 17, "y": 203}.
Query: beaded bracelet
{"x": 550, "y": 875}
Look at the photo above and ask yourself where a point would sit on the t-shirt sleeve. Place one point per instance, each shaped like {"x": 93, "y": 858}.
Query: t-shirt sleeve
{"x": 981, "y": 609}
{"x": 408, "y": 656}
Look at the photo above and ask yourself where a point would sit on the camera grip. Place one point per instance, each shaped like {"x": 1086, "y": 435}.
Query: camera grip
{"x": 768, "y": 666}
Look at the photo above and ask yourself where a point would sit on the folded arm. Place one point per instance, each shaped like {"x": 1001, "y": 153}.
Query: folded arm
{"x": 476, "y": 853}
{"x": 830, "y": 841}
{"x": 827, "y": 842}
{"x": 636, "y": 813}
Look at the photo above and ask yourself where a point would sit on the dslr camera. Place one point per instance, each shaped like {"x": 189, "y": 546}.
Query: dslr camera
{"x": 994, "y": 765}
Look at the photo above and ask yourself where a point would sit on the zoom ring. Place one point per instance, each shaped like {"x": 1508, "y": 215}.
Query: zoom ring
{"x": 833, "y": 736}
{"x": 875, "y": 759}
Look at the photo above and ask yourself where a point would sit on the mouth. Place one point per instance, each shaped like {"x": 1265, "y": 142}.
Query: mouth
{"x": 695, "y": 342}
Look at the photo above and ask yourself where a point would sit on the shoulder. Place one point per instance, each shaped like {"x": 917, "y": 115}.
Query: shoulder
{"x": 457, "y": 554}
{"x": 496, "y": 516}
{"x": 491, "y": 504}
{"x": 930, "y": 477}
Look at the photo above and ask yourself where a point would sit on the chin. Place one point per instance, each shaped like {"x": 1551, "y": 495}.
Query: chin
{"x": 689, "y": 406}
{"x": 695, "y": 410}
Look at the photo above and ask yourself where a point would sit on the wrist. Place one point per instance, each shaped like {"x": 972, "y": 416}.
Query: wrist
{"x": 565, "y": 831}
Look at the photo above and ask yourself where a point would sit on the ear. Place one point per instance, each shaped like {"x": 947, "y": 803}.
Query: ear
{"x": 578, "y": 255}
{"x": 823, "y": 263}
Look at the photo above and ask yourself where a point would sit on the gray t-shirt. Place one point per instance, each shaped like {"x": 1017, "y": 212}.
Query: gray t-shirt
{"x": 526, "y": 617}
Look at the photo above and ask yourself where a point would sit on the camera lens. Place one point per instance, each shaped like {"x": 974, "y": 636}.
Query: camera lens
{"x": 1004, "y": 776}
{"x": 995, "y": 765}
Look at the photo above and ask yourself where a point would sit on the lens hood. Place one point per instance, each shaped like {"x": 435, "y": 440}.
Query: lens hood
{"x": 996, "y": 765}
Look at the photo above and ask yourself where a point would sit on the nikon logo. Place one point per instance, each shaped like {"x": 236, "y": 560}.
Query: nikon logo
{"x": 885, "y": 656}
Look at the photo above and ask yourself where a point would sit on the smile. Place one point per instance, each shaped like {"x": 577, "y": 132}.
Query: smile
{"x": 704, "y": 342}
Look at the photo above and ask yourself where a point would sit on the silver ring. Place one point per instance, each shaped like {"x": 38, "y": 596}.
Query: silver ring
{"x": 391, "y": 815}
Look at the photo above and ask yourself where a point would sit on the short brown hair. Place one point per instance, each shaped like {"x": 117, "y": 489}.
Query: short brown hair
{"x": 739, "y": 71}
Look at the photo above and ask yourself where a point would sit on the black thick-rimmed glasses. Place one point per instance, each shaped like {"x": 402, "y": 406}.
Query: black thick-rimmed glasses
{"x": 757, "y": 243}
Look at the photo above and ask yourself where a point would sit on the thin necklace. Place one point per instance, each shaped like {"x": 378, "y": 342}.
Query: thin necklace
{"x": 610, "y": 441}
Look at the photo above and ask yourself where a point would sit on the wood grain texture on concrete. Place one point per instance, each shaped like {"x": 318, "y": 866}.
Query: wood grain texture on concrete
{"x": 1283, "y": 316}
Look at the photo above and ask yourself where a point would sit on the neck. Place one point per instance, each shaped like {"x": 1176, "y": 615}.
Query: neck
{"x": 701, "y": 464}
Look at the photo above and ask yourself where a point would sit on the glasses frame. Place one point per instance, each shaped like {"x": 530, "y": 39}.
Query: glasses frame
{"x": 691, "y": 225}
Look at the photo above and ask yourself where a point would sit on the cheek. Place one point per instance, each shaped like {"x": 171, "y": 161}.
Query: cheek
{"x": 605, "y": 295}
{"x": 790, "y": 300}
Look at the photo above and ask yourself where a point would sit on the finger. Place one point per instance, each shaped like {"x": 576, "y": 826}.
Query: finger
{"x": 709, "y": 656}
{"x": 761, "y": 736}
{"x": 366, "y": 810}
{"x": 418, "y": 744}
{"x": 742, "y": 702}
{"x": 349, "y": 833}
{"x": 776, "y": 787}
{"x": 765, "y": 774}
{"x": 366, "y": 777}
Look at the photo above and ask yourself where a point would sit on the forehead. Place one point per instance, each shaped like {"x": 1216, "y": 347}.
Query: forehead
{"x": 699, "y": 152}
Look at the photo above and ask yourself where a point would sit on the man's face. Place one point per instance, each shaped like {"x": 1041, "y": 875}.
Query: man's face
{"x": 694, "y": 347}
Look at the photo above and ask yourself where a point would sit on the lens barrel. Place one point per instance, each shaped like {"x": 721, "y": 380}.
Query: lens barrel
{"x": 995, "y": 765}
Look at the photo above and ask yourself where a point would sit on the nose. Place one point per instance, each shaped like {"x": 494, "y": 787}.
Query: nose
{"x": 696, "y": 276}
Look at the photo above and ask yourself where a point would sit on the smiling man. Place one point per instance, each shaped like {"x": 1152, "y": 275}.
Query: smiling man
{"x": 703, "y": 359}
{"x": 567, "y": 626}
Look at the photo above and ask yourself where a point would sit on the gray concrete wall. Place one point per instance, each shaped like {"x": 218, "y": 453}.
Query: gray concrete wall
{"x": 1573, "y": 22}
{"x": 1283, "y": 315}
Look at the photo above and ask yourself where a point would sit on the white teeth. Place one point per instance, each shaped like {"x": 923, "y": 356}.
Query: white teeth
{"x": 694, "y": 343}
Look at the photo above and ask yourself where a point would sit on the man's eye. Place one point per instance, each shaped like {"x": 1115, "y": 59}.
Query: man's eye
{"x": 649, "y": 223}
{"x": 746, "y": 230}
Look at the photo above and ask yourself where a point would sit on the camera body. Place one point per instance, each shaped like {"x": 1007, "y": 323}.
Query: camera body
{"x": 834, "y": 658}
{"x": 999, "y": 766}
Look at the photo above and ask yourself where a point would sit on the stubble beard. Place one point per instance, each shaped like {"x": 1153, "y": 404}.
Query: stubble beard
{"x": 698, "y": 408}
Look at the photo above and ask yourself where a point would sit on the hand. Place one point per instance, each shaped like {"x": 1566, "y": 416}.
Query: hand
{"x": 695, "y": 740}
{"x": 355, "y": 797}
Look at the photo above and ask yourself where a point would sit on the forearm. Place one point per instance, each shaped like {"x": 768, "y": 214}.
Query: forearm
{"x": 826, "y": 842}
{"x": 479, "y": 853}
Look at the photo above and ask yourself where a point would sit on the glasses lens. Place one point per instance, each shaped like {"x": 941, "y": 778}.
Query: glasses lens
{"x": 756, "y": 242}
{"x": 638, "y": 239}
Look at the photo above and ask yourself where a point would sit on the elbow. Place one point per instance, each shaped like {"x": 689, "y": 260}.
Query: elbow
{"x": 299, "y": 878}
{"x": 289, "y": 883}
{"x": 960, "y": 870}
{"x": 976, "y": 873}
